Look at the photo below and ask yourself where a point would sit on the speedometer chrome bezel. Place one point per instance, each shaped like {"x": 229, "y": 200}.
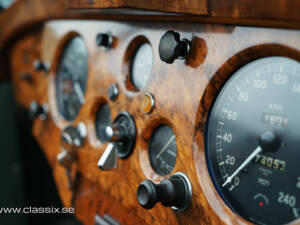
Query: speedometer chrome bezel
{"x": 213, "y": 87}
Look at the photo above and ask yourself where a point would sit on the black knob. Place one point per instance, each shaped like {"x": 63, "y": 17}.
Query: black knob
{"x": 269, "y": 141}
{"x": 171, "y": 47}
{"x": 37, "y": 111}
{"x": 175, "y": 192}
{"x": 104, "y": 40}
{"x": 38, "y": 65}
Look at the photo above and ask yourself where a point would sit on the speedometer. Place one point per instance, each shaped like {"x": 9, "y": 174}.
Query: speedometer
{"x": 71, "y": 78}
{"x": 253, "y": 141}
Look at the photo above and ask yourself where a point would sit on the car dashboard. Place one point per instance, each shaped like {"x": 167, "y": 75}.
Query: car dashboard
{"x": 162, "y": 116}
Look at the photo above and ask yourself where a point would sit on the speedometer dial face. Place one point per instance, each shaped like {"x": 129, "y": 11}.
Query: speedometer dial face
{"x": 253, "y": 141}
{"x": 71, "y": 78}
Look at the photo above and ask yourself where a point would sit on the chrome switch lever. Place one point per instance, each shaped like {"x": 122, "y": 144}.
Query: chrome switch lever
{"x": 121, "y": 136}
{"x": 108, "y": 160}
{"x": 71, "y": 139}
{"x": 66, "y": 159}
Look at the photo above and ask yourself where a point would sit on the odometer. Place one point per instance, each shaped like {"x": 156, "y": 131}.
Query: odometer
{"x": 253, "y": 141}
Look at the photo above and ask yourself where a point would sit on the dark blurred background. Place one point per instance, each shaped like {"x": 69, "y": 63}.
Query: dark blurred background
{"x": 26, "y": 178}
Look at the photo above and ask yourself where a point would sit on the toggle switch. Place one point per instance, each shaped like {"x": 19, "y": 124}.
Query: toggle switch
{"x": 121, "y": 136}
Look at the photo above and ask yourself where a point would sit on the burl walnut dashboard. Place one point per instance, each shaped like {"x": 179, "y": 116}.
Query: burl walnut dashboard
{"x": 165, "y": 122}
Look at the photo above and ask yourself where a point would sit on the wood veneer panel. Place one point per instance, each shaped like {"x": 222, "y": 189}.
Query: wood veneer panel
{"x": 256, "y": 9}
{"x": 199, "y": 7}
{"x": 183, "y": 92}
{"x": 24, "y": 14}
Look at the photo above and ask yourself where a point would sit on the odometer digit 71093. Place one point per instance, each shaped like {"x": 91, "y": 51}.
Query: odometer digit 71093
{"x": 253, "y": 141}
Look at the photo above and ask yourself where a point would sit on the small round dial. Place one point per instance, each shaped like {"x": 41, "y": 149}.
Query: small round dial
{"x": 141, "y": 65}
{"x": 163, "y": 150}
{"x": 253, "y": 141}
{"x": 71, "y": 78}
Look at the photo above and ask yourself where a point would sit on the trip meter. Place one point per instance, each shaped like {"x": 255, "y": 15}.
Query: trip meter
{"x": 253, "y": 139}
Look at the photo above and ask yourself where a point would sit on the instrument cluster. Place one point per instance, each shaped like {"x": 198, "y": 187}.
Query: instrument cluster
{"x": 168, "y": 116}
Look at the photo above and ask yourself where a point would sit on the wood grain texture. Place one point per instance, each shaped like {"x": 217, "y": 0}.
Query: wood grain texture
{"x": 199, "y": 7}
{"x": 183, "y": 92}
{"x": 24, "y": 14}
{"x": 274, "y": 9}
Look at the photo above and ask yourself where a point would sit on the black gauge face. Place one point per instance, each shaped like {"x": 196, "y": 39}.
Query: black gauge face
{"x": 71, "y": 78}
{"x": 103, "y": 119}
{"x": 253, "y": 141}
{"x": 141, "y": 66}
{"x": 163, "y": 150}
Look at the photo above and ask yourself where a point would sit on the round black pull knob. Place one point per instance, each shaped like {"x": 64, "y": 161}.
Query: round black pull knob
{"x": 175, "y": 192}
{"x": 104, "y": 40}
{"x": 38, "y": 65}
{"x": 171, "y": 47}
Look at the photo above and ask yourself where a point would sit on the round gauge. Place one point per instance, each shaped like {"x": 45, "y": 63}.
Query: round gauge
{"x": 163, "y": 150}
{"x": 253, "y": 141}
{"x": 141, "y": 65}
{"x": 103, "y": 119}
{"x": 71, "y": 78}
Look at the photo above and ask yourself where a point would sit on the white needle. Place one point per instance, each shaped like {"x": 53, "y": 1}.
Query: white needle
{"x": 244, "y": 164}
{"x": 165, "y": 147}
{"x": 79, "y": 91}
{"x": 295, "y": 211}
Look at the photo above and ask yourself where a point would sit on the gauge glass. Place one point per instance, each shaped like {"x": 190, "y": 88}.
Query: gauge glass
{"x": 103, "y": 119}
{"x": 141, "y": 66}
{"x": 163, "y": 150}
{"x": 253, "y": 141}
{"x": 71, "y": 78}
